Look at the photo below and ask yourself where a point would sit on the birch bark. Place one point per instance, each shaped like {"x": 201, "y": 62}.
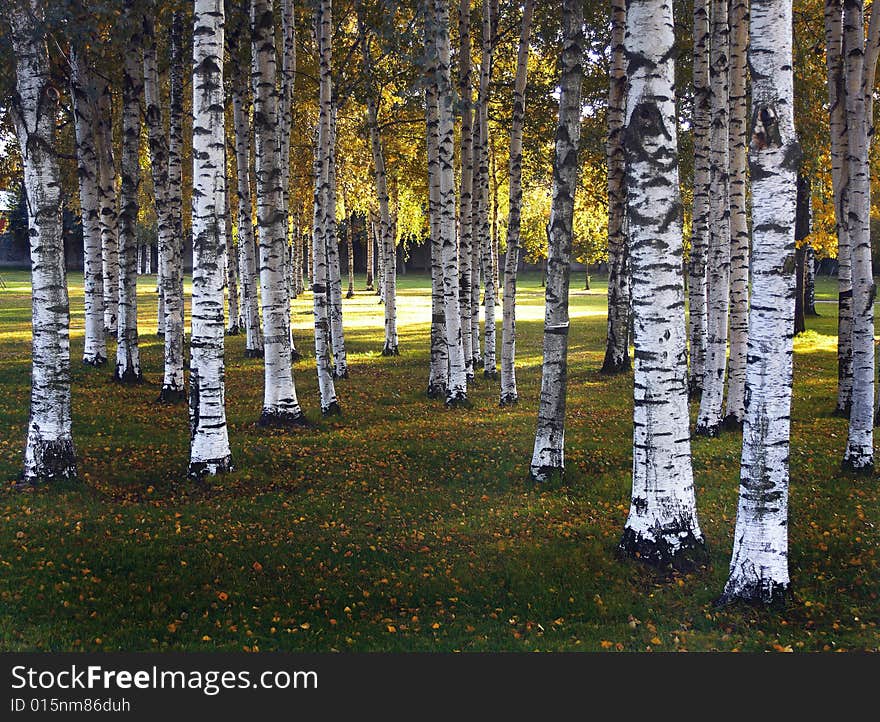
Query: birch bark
{"x": 548, "y": 457}
{"x": 108, "y": 209}
{"x": 662, "y": 526}
{"x": 466, "y": 185}
{"x": 759, "y": 565}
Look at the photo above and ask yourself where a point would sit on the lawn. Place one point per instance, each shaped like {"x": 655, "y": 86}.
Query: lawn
{"x": 402, "y": 525}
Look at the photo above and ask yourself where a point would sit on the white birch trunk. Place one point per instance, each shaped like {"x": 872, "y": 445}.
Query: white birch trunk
{"x": 617, "y": 339}
{"x": 209, "y": 450}
{"x": 108, "y": 209}
{"x": 859, "y": 454}
{"x": 759, "y": 566}
{"x": 466, "y": 185}
{"x": 711, "y": 402}
{"x": 49, "y": 452}
{"x": 697, "y": 279}
{"x": 320, "y": 225}
{"x": 232, "y": 327}
{"x": 456, "y": 383}
{"x": 739, "y": 228}
{"x": 83, "y": 91}
{"x": 548, "y": 458}
{"x": 509, "y": 393}
{"x": 172, "y": 383}
{"x": 280, "y": 404}
{"x": 128, "y": 369}
{"x": 334, "y": 279}
{"x": 662, "y": 526}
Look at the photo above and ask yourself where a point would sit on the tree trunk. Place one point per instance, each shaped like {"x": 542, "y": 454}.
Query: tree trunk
{"x": 839, "y": 181}
{"x": 509, "y": 394}
{"x": 735, "y": 408}
{"x": 709, "y": 417}
{"x": 801, "y": 231}
{"x": 697, "y": 279}
{"x": 49, "y": 453}
{"x": 456, "y": 383}
{"x": 349, "y": 238}
{"x": 128, "y": 369}
{"x": 172, "y": 384}
{"x": 83, "y": 92}
{"x": 662, "y": 526}
{"x": 548, "y": 457}
{"x": 759, "y": 565}
{"x": 254, "y": 346}
{"x": 108, "y": 208}
{"x": 320, "y": 226}
{"x": 617, "y": 339}
{"x": 209, "y": 450}
{"x": 466, "y": 187}
{"x": 482, "y": 231}
{"x": 280, "y": 404}
{"x": 337, "y": 336}
{"x": 859, "y": 454}
{"x": 232, "y": 328}
{"x": 810, "y": 283}
{"x": 368, "y": 242}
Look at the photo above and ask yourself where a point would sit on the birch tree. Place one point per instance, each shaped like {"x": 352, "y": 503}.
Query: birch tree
{"x": 49, "y": 452}
{"x": 107, "y": 207}
{"x": 617, "y": 339}
{"x": 739, "y": 227}
{"x": 509, "y": 394}
{"x": 456, "y": 383}
{"x": 711, "y": 401}
{"x": 128, "y": 369}
{"x": 662, "y": 526}
{"x": 548, "y": 457}
{"x": 209, "y": 449}
{"x": 231, "y": 262}
{"x": 280, "y": 404}
{"x": 697, "y": 280}
{"x": 466, "y": 184}
{"x": 759, "y": 565}
{"x": 331, "y": 238}
{"x": 83, "y": 92}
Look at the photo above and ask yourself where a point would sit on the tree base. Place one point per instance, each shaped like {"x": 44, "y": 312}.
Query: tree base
{"x": 127, "y": 376}
{"x": 436, "y": 391}
{"x": 457, "y": 400}
{"x": 491, "y": 374}
{"x": 509, "y": 399}
{"x": 350, "y": 294}
{"x": 160, "y": 334}
{"x": 332, "y": 410}
{"x": 708, "y": 430}
{"x": 614, "y": 367}
{"x": 253, "y": 353}
{"x": 339, "y": 375}
{"x": 295, "y": 355}
{"x": 200, "y": 469}
{"x": 47, "y": 461}
{"x": 842, "y": 412}
{"x": 764, "y": 592}
{"x": 171, "y": 395}
{"x": 695, "y": 390}
{"x": 390, "y": 350}
{"x": 547, "y": 474}
{"x": 97, "y": 360}
{"x": 863, "y": 465}
{"x": 272, "y": 418}
{"x": 233, "y": 330}
{"x": 732, "y": 422}
{"x": 478, "y": 363}
{"x": 687, "y": 554}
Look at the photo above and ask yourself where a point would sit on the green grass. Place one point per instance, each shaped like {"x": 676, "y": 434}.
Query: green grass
{"x": 402, "y": 525}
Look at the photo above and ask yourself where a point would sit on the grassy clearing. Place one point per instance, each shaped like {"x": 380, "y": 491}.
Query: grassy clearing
{"x": 402, "y": 525}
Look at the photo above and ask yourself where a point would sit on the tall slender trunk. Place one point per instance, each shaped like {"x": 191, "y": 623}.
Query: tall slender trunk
{"x": 859, "y": 454}
{"x": 209, "y": 449}
{"x": 128, "y": 369}
{"x": 834, "y": 59}
{"x": 368, "y": 242}
{"x": 456, "y": 383}
{"x": 232, "y": 327}
{"x": 759, "y": 565}
{"x": 172, "y": 270}
{"x": 439, "y": 366}
{"x": 321, "y": 225}
{"x": 509, "y": 394}
{"x": 549, "y": 453}
{"x": 334, "y": 278}
{"x": 697, "y": 280}
{"x": 172, "y": 384}
{"x": 108, "y": 208}
{"x": 617, "y": 339}
{"x": 349, "y": 245}
{"x": 466, "y": 185}
{"x": 801, "y": 231}
{"x": 247, "y": 262}
{"x": 280, "y": 404}
{"x": 83, "y": 92}
{"x": 735, "y": 408}
{"x": 662, "y": 526}
{"x": 482, "y": 231}
{"x": 49, "y": 452}
{"x": 711, "y": 402}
